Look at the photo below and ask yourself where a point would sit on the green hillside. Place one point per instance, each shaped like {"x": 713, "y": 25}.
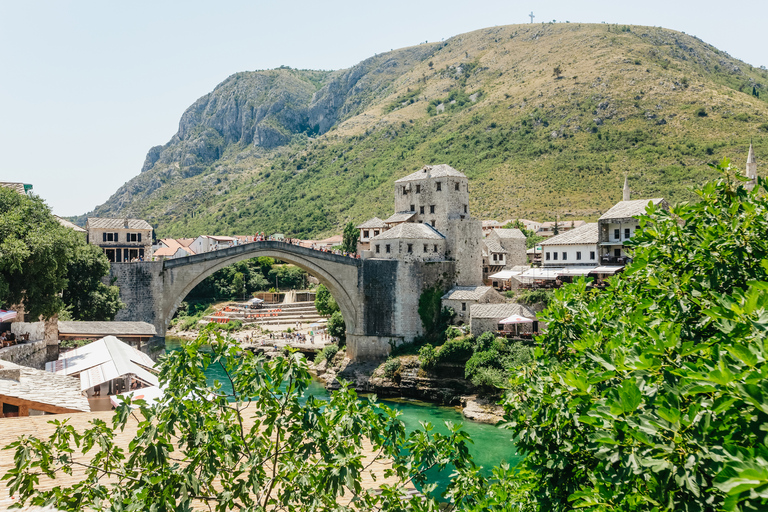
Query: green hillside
{"x": 545, "y": 120}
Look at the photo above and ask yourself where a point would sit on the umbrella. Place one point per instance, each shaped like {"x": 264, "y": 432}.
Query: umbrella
{"x": 516, "y": 319}
{"x": 256, "y": 300}
{"x": 149, "y": 394}
{"x": 7, "y": 316}
{"x": 314, "y": 325}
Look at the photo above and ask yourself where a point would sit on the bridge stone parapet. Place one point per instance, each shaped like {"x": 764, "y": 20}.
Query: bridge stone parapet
{"x": 378, "y": 298}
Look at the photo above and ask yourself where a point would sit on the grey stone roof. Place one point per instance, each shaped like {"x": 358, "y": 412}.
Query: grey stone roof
{"x": 372, "y": 224}
{"x": 500, "y": 311}
{"x": 400, "y": 217}
{"x": 104, "y": 223}
{"x": 467, "y": 292}
{"x": 410, "y": 230}
{"x": 626, "y": 209}
{"x": 42, "y": 387}
{"x": 494, "y": 246}
{"x": 432, "y": 171}
{"x": 107, "y": 328}
{"x": 586, "y": 234}
{"x": 491, "y": 223}
{"x": 67, "y": 224}
{"x": 509, "y": 233}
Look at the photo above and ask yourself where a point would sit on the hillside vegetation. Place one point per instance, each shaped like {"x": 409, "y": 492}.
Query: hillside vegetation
{"x": 545, "y": 120}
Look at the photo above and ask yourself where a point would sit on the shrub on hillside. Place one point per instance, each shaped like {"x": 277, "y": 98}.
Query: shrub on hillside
{"x": 484, "y": 342}
{"x": 326, "y": 354}
{"x": 455, "y": 351}
{"x": 391, "y": 366}
{"x": 453, "y": 332}
{"x": 427, "y": 357}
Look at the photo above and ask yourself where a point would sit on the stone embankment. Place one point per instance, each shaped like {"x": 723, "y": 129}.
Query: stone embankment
{"x": 33, "y": 354}
{"x": 445, "y": 385}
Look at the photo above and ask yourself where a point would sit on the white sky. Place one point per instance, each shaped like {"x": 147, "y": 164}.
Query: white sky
{"x": 87, "y": 87}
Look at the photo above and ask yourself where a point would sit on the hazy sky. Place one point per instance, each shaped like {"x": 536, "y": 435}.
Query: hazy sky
{"x": 87, "y": 87}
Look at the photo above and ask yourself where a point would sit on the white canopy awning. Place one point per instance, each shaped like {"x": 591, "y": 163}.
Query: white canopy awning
{"x": 505, "y": 274}
{"x": 607, "y": 270}
{"x": 576, "y": 271}
{"x": 516, "y": 319}
{"x": 547, "y": 274}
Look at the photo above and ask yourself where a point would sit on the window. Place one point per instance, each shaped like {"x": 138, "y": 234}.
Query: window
{"x": 365, "y": 234}
{"x": 378, "y": 248}
{"x": 434, "y": 248}
{"x": 375, "y": 232}
{"x": 456, "y": 185}
{"x": 465, "y": 208}
{"x": 592, "y": 255}
{"x": 554, "y": 255}
{"x": 637, "y": 227}
{"x": 565, "y": 255}
{"x": 110, "y": 237}
{"x": 617, "y": 234}
{"x": 431, "y": 208}
{"x": 439, "y": 186}
{"x": 413, "y": 208}
{"x": 547, "y": 256}
{"x": 495, "y": 257}
{"x": 410, "y": 247}
{"x": 626, "y": 233}
{"x": 133, "y": 237}
{"x": 104, "y": 237}
{"x": 421, "y": 210}
{"x": 617, "y": 253}
{"x": 433, "y": 222}
{"x": 425, "y": 248}
{"x": 578, "y": 255}
{"x": 418, "y": 189}
{"x": 463, "y": 306}
{"x": 405, "y": 191}
{"x": 389, "y": 248}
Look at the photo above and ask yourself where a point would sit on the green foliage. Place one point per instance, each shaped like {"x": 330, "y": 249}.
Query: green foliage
{"x": 86, "y": 296}
{"x": 326, "y": 354}
{"x": 531, "y": 238}
{"x": 324, "y": 302}
{"x": 390, "y": 367}
{"x": 456, "y": 350}
{"x": 337, "y": 327}
{"x": 489, "y": 379}
{"x": 484, "y": 342}
{"x": 531, "y": 297}
{"x": 198, "y": 446}
{"x": 453, "y": 332}
{"x": 457, "y": 100}
{"x": 67, "y": 344}
{"x": 410, "y": 97}
{"x": 35, "y": 251}
{"x": 652, "y": 393}
{"x": 350, "y": 236}
{"x": 427, "y": 357}
{"x": 434, "y": 317}
{"x": 230, "y": 326}
{"x": 189, "y": 315}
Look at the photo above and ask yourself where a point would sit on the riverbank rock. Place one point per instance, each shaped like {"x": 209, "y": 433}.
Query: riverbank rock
{"x": 481, "y": 409}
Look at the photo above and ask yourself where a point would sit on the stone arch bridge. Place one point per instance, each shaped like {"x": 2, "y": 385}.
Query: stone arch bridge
{"x": 378, "y": 297}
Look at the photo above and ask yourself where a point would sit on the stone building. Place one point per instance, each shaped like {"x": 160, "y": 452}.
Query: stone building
{"x": 502, "y": 250}
{"x": 617, "y": 225}
{"x": 369, "y": 229}
{"x": 462, "y": 298}
{"x": 572, "y": 248}
{"x": 123, "y": 240}
{"x": 436, "y": 198}
{"x": 486, "y": 317}
{"x": 547, "y": 229}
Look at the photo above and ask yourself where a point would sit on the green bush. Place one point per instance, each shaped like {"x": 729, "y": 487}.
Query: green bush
{"x": 490, "y": 380}
{"x": 390, "y": 366}
{"x": 427, "y": 357}
{"x": 455, "y": 351}
{"x": 484, "y": 359}
{"x": 531, "y": 297}
{"x": 453, "y": 332}
{"x": 484, "y": 342}
{"x": 326, "y": 354}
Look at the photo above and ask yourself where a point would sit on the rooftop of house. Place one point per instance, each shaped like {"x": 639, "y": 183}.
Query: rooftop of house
{"x": 626, "y": 209}
{"x": 67, "y": 224}
{"x": 105, "y": 223}
{"x": 335, "y": 240}
{"x": 38, "y": 386}
{"x": 500, "y": 311}
{"x": 491, "y": 223}
{"x": 107, "y": 328}
{"x": 494, "y": 246}
{"x": 432, "y": 171}
{"x": 410, "y": 230}
{"x": 372, "y": 224}
{"x": 509, "y": 234}
{"x": 586, "y": 234}
{"x": 185, "y": 242}
{"x": 399, "y": 217}
{"x": 170, "y": 243}
{"x": 467, "y": 292}
{"x": 563, "y": 224}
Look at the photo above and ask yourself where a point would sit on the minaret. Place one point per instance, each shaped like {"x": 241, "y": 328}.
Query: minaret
{"x": 751, "y": 168}
{"x": 625, "y": 190}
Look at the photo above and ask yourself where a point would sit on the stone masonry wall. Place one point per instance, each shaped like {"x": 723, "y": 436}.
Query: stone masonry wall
{"x": 32, "y": 354}
{"x": 140, "y": 290}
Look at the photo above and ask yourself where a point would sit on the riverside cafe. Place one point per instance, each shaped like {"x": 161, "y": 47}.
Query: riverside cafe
{"x": 554, "y": 277}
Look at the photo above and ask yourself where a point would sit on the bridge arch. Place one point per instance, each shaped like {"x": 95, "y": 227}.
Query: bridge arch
{"x": 339, "y": 274}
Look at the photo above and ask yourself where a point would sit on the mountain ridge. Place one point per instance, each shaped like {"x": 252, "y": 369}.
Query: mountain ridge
{"x": 545, "y": 119}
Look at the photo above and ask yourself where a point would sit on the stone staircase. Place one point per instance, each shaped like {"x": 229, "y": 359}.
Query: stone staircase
{"x": 271, "y": 314}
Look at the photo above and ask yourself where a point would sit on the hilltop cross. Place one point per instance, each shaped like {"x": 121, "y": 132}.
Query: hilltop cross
{"x": 532, "y": 16}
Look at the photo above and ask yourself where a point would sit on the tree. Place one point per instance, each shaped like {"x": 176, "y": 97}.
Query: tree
{"x": 34, "y": 254}
{"x": 337, "y": 327}
{"x": 557, "y": 72}
{"x": 252, "y": 443}
{"x": 531, "y": 238}
{"x": 351, "y": 234}
{"x": 86, "y": 296}
{"x": 651, "y": 395}
{"x": 324, "y": 302}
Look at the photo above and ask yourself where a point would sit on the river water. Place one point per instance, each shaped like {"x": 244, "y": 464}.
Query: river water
{"x": 491, "y": 446}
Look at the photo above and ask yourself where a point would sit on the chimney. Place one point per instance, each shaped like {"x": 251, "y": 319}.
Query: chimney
{"x": 625, "y": 190}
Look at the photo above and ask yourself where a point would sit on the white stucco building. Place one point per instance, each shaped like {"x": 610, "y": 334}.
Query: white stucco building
{"x": 574, "y": 248}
